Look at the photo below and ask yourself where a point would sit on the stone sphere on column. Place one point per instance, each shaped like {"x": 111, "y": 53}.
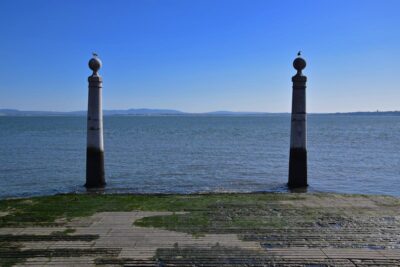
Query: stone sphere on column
{"x": 95, "y": 64}
{"x": 299, "y": 64}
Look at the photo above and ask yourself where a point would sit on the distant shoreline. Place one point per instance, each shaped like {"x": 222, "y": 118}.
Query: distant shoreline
{"x": 166, "y": 112}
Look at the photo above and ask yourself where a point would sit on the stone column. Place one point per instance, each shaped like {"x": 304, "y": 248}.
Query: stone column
{"x": 298, "y": 134}
{"x": 95, "y": 147}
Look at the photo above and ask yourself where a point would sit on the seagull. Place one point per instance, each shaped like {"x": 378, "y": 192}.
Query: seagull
{"x": 94, "y": 54}
{"x": 299, "y": 53}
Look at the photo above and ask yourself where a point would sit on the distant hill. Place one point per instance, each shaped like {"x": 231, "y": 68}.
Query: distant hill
{"x": 125, "y": 112}
{"x": 15, "y": 112}
{"x": 225, "y": 113}
{"x": 166, "y": 112}
{"x": 141, "y": 111}
{"x": 377, "y": 113}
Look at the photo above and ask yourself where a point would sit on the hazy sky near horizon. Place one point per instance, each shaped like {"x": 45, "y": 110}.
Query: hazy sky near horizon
{"x": 200, "y": 55}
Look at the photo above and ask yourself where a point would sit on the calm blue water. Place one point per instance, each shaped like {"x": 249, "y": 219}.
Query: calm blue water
{"x": 350, "y": 154}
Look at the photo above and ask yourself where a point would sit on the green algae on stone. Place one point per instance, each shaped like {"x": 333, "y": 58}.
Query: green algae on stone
{"x": 46, "y": 210}
{"x": 203, "y": 213}
{"x": 13, "y": 255}
{"x": 65, "y": 232}
{"x": 51, "y": 237}
{"x": 6, "y": 254}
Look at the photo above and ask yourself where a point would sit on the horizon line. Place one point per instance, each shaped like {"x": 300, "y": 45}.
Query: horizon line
{"x": 176, "y": 111}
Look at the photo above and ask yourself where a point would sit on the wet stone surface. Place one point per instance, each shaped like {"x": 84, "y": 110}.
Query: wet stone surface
{"x": 305, "y": 230}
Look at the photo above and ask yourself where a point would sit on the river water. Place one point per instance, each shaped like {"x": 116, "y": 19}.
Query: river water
{"x": 186, "y": 154}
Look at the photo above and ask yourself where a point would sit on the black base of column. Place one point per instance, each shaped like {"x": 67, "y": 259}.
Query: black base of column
{"x": 94, "y": 168}
{"x": 297, "y": 168}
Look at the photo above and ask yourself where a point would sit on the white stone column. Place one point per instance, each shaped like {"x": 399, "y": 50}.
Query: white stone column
{"x": 95, "y": 147}
{"x": 298, "y": 134}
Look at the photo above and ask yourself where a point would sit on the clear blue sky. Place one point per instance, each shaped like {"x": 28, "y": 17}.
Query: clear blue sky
{"x": 199, "y": 55}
